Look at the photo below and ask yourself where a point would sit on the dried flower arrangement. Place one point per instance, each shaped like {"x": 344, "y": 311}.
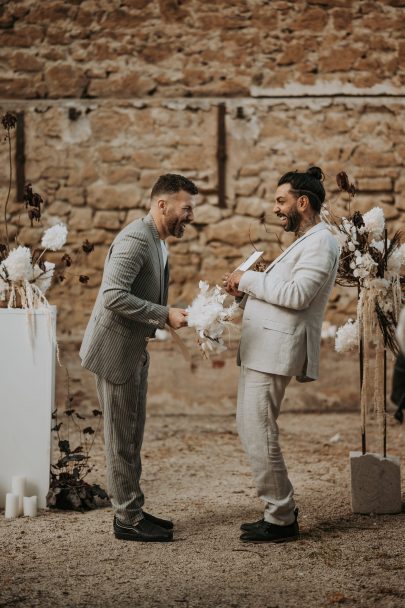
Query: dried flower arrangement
{"x": 371, "y": 262}
{"x": 25, "y": 276}
{"x": 208, "y": 315}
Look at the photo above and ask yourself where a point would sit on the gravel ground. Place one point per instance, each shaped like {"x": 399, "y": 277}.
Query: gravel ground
{"x": 196, "y": 473}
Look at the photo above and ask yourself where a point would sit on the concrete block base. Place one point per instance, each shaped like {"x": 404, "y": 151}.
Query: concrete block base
{"x": 376, "y": 483}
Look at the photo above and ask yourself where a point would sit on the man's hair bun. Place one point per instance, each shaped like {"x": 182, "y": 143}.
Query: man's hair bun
{"x": 317, "y": 173}
{"x": 308, "y": 182}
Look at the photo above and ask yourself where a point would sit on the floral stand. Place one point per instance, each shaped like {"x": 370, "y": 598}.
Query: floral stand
{"x": 27, "y": 372}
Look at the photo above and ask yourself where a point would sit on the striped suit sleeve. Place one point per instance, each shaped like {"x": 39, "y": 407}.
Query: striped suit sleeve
{"x": 123, "y": 267}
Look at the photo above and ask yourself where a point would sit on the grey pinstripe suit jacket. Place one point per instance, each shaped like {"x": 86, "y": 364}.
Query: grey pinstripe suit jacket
{"x": 131, "y": 303}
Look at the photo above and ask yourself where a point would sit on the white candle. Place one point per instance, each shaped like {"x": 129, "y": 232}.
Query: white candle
{"x": 30, "y": 506}
{"x": 12, "y": 501}
{"x": 18, "y": 487}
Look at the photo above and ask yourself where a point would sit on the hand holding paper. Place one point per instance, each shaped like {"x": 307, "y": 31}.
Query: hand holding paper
{"x": 231, "y": 281}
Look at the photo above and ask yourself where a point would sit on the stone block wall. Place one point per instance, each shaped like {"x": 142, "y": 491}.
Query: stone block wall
{"x": 192, "y": 48}
{"x": 116, "y": 92}
{"x": 95, "y": 167}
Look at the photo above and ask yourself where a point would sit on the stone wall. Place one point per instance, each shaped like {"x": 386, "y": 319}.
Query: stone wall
{"x": 181, "y": 48}
{"x": 116, "y": 92}
{"x": 95, "y": 167}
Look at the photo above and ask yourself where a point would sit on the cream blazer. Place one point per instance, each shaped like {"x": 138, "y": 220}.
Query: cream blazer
{"x": 284, "y": 307}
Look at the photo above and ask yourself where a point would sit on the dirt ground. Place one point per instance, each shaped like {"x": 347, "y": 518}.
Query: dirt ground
{"x": 196, "y": 473}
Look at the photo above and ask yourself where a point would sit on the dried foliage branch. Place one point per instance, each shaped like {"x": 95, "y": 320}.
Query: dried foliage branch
{"x": 68, "y": 488}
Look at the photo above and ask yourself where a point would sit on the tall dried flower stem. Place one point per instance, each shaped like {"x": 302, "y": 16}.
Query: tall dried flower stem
{"x": 9, "y": 187}
{"x": 361, "y": 366}
{"x": 384, "y": 429}
{"x": 37, "y": 260}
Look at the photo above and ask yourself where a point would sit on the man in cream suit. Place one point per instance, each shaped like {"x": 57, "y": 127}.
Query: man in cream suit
{"x": 281, "y": 332}
{"x": 130, "y": 306}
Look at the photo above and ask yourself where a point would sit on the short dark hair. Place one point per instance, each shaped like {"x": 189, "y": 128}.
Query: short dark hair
{"x": 170, "y": 183}
{"x": 307, "y": 183}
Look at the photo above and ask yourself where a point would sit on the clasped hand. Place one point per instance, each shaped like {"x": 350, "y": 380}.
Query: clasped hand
{"x": 177, "y": 318}
{"x": 230, "y": 282}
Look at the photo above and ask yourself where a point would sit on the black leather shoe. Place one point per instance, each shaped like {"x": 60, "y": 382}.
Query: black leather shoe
{"x": 256, "y": 524}
{"x": 162, "y": 523}
{"x": 145, "y": 532}
{"x": 270, "y": 533}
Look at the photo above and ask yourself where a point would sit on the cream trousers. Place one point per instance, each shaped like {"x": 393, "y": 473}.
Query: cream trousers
{"x": 259, "y": 400}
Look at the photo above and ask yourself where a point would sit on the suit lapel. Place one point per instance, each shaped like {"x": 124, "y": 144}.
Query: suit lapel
{"x": 320, "y": 226}
{"x": 148, "y": 220}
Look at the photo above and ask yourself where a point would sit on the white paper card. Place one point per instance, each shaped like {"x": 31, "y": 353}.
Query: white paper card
{"x": 251, "y": 261}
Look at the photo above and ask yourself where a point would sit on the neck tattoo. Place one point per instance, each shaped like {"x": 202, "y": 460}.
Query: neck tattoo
{"x": 304, "y": 226}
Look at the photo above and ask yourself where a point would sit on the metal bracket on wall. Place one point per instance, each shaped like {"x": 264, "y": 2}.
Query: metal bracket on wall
{"x": 221, "y": 154}
{"x": 20, "y": 157}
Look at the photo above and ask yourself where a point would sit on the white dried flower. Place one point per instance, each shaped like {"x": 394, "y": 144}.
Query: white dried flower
{"x": 347, "y": 337}
{"x": 378, "y": 284}
{"x": 360, "y": 273}
{"x": 378, "y": 245}
{"x": 3, "y": 286}
{"x": 209, "y": 317}
{"x": 43, "y": 278}
{"x": 396, "y": 260}
{"x": 162, "y": 335}
{"x": 374, "y": 222}
{"x": 55, "y": 237}
{"x": 341, "y": 237}
{"x": 18, "y": 264}
{"x": 364, "y": 266}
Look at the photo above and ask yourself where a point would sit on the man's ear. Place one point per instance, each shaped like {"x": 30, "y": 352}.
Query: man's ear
{"x": 303, "y": 202}
{"x": 162, "y": 205}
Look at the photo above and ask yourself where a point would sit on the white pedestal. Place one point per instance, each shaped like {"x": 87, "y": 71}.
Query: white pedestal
{"x": 27, "y": 390}
{"x": 376, "y": 483}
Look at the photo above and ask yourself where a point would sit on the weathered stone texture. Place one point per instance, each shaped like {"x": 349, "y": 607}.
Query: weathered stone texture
{"x": 95, "y": 157}
{"x": 95, "y": 168}
{"x": 170, "y": 48}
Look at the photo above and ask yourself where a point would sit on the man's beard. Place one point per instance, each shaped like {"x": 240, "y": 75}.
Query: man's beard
{"x": 176, "y": 227}
{"x": 293, "y": 221}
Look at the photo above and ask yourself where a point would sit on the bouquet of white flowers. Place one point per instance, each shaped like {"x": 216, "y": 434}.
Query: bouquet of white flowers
{"x": 25, "y": 276}
{"x": 372, "y": 262}
{"x": 30, "y": 278}
{"x": 208, "y": 315}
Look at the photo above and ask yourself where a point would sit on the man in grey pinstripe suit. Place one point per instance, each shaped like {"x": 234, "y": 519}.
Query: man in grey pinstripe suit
{"x": 130, "y": 306}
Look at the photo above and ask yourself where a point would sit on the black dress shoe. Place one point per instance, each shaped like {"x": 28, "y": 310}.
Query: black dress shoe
{"x": 162, "y": 523}
{"x": 270, "y": 533}
{"x": 255, "y": 524}
{"x": 145, "y": 532}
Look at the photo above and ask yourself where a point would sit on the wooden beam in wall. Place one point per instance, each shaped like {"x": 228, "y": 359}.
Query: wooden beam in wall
{"x": 20, "y": 156}
{"x": 221, "y": 155}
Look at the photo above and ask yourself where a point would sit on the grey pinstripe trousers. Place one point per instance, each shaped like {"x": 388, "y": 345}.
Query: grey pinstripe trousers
{"x": 124, "y": 410}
